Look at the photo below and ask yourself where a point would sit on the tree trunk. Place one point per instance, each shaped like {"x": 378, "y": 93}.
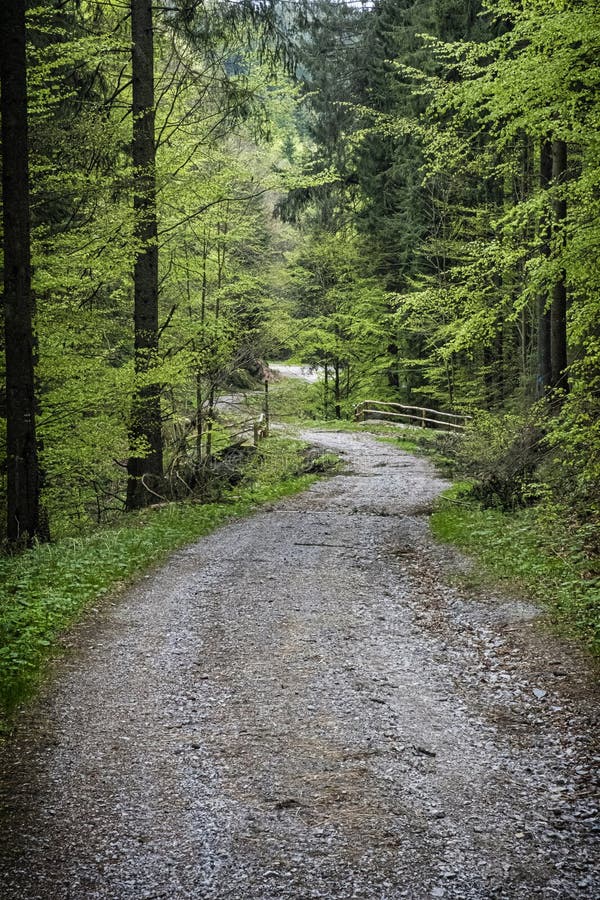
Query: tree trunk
{"x": 494, "y": 371}
{"x": 23, "y": 480}
{"x": 525, "y": 330}
{"x": 558, "y": 310}
{"x": 336, "y": 389}
{"x": 544, "y": 370}
{"x": 449, "y": 382}
{"x": 199, "y": 417}
{"x": 267, "y": 409}
{"x": 209, "y": 423}
{"x": 393, "y": 378}
{"x": 146, "y": 460}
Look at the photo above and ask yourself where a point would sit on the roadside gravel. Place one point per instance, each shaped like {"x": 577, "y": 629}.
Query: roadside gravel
{"x": 302, "y": 705}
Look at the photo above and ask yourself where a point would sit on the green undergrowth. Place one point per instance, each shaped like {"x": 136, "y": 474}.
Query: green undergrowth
{"x": 47, "y": 588}
{"x": 293, "y": 400}
{"x": 530, "y": 551}
{"x": 437, "y": 445}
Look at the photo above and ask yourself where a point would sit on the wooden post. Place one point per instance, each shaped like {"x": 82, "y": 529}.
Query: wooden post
{"x": 266, "y": 428}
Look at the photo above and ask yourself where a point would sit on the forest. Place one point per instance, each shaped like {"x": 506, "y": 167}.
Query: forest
{"x": 403, "y": 194}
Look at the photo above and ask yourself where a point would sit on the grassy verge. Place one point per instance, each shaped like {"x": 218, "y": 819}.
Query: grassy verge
{"x": 438, "y": 446}
{"x": 527, "y": 551}
{"x": 46, "y": 589}
{"x": 531, "y": 551}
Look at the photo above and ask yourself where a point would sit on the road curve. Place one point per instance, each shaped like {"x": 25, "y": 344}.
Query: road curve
{"x": 300, "y": 706}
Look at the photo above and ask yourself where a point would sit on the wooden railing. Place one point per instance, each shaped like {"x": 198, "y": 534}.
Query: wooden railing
{"x": 261, "y": 429}
{"x": 418, "y": 415}
{"x": 239, "y": 432}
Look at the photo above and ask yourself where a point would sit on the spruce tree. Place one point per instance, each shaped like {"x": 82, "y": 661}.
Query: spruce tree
{"x": 145, "y": 466}
{"x": 23, "y": 480}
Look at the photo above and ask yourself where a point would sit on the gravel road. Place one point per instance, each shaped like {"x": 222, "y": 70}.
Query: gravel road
{"x": 304, "y": 373}
{"x": 301, "y": 705}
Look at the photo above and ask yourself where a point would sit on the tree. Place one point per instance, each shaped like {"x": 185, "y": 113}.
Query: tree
{"x": 214, "y": 32}
{"x": 558, "y": 310}
{"x": 145, "y": 466}
{"x": 85, "y": 244}
{"x": 544, "y": 366}
{"x": 23, "y": 477}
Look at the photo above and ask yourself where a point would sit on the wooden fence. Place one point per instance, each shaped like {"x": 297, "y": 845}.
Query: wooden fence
{"x": 417, "y": 415}
{"x": 240, "y": 432}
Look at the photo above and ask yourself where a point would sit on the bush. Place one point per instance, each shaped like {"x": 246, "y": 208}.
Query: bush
{"x": 502, "y": 455}
{"x": 574, "y": 477}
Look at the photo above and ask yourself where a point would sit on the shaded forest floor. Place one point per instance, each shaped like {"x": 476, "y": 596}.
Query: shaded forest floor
{"x": 302, "y": 705}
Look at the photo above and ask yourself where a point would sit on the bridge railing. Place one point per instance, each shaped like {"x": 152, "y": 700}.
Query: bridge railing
{"x": 417, "y": 415}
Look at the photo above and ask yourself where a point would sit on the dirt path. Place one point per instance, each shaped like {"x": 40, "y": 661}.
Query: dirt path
{"x": 298, "y": 706}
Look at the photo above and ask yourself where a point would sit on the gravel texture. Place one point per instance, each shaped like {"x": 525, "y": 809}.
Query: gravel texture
{"x": 301, "y": 705}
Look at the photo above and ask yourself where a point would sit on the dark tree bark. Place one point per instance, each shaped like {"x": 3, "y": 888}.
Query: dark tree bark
{"x": 393, "y": 378}
{"x": 23, "y": 480}
{"x": 544, "y": 367}
{"x": 493, "y": 361}
{"x": 526, "y": 330}
{"x": 145, "y": 465}
{"x": 558, "y": 310}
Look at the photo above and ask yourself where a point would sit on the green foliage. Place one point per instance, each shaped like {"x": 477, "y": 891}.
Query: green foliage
{"x": 417, "y": 257}
{"x": 220, "y": 132}
{"x": 293, "y": 400}
{"x": 340, "y": 316}
{"x": 444, "y": 208}
{"x": 47, "y": 588}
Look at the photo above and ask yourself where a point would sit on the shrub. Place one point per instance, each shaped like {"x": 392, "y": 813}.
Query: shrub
{"x": 502, "y": 455}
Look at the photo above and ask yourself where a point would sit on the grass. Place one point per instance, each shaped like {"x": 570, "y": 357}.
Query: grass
{"x": 292, "y": 400}
{"x": 530, "y": 551}
{"x": 525, "y": 551}
{"x": 437, "y": 445}
{"x": 47, "y": 588}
